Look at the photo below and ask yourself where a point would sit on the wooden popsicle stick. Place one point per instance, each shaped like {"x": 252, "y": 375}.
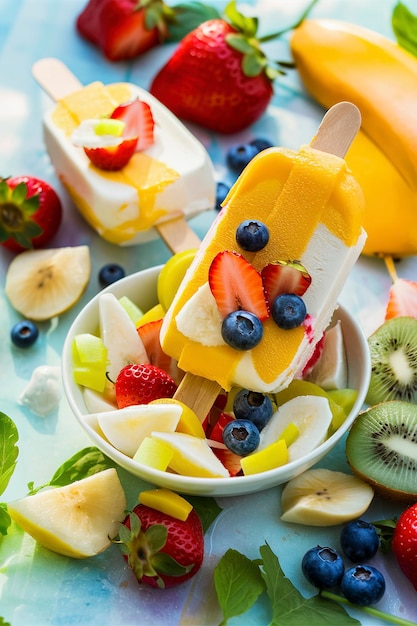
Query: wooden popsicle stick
{"x": 334, "y": 135}
{"x": 58, "y": 81}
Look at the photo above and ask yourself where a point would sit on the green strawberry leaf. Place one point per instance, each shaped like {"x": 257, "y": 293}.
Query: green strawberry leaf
{"x": 9, "y": 451}
{"x": 253, "y": 64}
{"x": 187, "y": 16}
{"x": 165, "y": 564}
{"x": 86, "y": 462}
{"x": 246, "y": 25}
{"x": 19, "y": 193}
{"x": 404, "y": 25}
{"x": 238, "y": 583}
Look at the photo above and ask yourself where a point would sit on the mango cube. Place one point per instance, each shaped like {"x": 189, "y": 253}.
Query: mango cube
{"x": 166, "y": 501}
{"x": 269, "y": 458}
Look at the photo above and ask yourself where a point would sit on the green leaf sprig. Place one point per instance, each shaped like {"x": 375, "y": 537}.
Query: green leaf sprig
{"x": 404, "y": 25}
{"x": 9, "y": 452}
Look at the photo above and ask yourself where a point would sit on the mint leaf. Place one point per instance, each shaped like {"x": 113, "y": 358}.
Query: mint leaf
{"x": 3, "y": 622}
{"x": 189, "y": 15}
{"x": 84, "y": 463}
{"x": 5, "y": 520}
{"x": 207, "y": 510}
{"x": 289, "y": 607}
{"x": 404, "y": 25}
{"x": 8, "y": 449}
{"x": 238, "y": 583}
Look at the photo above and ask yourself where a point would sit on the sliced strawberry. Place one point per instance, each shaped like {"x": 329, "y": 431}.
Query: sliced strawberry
{"x": 236, "y": 285}
{"x": 112, "y": 158}
{"x": 402, "y": 300}
{"x": 141, "y": 383}
{"x": 149, "y": 333}
{"x": 284, "y": 277}
{"x": 139, "y": 122}
{"x": 230, "y": 460}
{"x": 218, "y": 428}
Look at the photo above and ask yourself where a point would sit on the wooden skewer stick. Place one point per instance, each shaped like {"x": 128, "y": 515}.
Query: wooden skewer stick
{"x": 58, "y": 81}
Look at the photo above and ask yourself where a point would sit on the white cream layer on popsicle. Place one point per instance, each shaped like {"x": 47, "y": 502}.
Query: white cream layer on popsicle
{"x": 173, "y": 177}
{"x": 312, "y": 207}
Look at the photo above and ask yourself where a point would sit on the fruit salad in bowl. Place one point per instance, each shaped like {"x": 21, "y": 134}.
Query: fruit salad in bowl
{"x": 122, "y": 388}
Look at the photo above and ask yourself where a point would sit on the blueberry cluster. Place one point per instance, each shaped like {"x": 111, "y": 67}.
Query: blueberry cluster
{"x": 252, "y": 411}
{"x": 361, "y": 584}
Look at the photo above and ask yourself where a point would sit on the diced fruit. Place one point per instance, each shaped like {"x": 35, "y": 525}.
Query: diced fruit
{"x": 39, "y": 284}
{"x": 133, "y": 311}
{"x": 141, "y": 383}
{"x": 154, "y": 454}
{"x": 112, "y": 158}
{"x": 89, "y": 357}
{"x": 344, "y": 398}
{"x": 284, "y": 277}
{"x": 161, "y": 550}
{"x": 97, "y": 402}
{"x": 402, "y": 299}
{"x": 166, "y": 501}
{"x": 216, "y": 433}
{"x": 171, "y": 276}
{"x": 139, "y": 122}
{"x": 78, "y": 520}
{"x": 269, "y": 458}
{"x": 189, "y": 422}
{"x": 322, "y": 497}
{"x": 310, "y": 414}
{"x": 330, "y": 371}
{"x": 149, "y": 334}
{"x": 290, "y": 434}
{"x": 126, "y": 428}
{"x": 119, "y": 336}
{"x": 230, "y": 460}
{"x": 157, "y": 312}
{"x": 192, "y": 456}
{"x": 236, "y": 285}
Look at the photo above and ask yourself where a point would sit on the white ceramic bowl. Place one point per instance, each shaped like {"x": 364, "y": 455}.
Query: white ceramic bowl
{"x": 141, "y": 288}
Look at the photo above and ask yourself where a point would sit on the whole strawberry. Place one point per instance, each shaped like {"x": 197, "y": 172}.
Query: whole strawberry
{"x": 222, "y": 78}
{"x": 142, "y": 383}
{"x": 30, "y": 213}
{"x": 404, "y": 543}
{"x": 161, "y": 550}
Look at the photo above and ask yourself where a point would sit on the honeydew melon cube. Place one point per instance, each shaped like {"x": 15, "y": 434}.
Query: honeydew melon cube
{"x": 89, "y": 357}
{"x": 269, "y": 458}
{"x": 133, "y": 311}
{"x": 153, "y": 453}
{"x": 166, "y": 501}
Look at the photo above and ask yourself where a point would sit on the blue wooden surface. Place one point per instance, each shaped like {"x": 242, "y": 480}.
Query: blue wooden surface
{"x": 38, "y": 587}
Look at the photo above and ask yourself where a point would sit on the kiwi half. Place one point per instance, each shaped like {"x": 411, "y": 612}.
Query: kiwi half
{"x": 393, "y": 351}
{"x": 381, "y": 448}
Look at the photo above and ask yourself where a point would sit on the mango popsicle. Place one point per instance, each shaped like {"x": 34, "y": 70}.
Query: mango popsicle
{"x": 155, "y": 193}
{"x": 312, "y": 209}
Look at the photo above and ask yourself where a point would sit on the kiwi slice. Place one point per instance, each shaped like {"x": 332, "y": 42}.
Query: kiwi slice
{"x": 381, "y": 448}
{"x": 393, "y": 351}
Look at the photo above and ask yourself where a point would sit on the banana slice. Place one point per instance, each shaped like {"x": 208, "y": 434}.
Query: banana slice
{"x": 310, "y": 414}
{"x": 330, "y": 371}
{"x": 322, "y": 497}
{"x": 43, "y": 283}
{"x": 78, "y": 520}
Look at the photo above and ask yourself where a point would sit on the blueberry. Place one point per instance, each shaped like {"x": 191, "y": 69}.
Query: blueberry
{"x": 261, "y": 144}
{"x": 323, "y": 567}
{"x": 24, "y": 334}
{"x": 241, "y": 436}
{"x": 239, "y": 156}
{"x": 221, "y": 192}
{"x": 242, "y": 330}
{"x": 359, "y": 540}
{"x": 252, "y": 235}
{"x": 363, "y": 585}
{"x": 288, "y": 311}
{"x": 253, "y": 406}
{"x": 110, "y": 273}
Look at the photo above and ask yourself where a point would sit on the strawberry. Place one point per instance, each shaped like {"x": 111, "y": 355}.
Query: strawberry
{"x": 216, "y": 433}
{"x": 161, "y": 550}
{"x": 112, "y": 158}
{"x": 30, "y": 213}
{"x": 222, "y": 78}
{"x": 141, "y": 383}
{"x": 139, "y": 122}
{"x": 284, "y": 277}
{"x": 404, "y": 543}
{"x": 236, "y": 285}
{"x": 149, "y": 333}
{"x": 230, "y": 460}
{"x": 402, "y": 300}
{"x": 123, "y": 29}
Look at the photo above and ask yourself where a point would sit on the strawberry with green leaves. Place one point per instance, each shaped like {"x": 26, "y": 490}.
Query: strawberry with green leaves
{"x": 124, "y": 29}
{"x": 223, "y": 79}
{"x": 161, "y": 550}
{"x": 30, "y": 213}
